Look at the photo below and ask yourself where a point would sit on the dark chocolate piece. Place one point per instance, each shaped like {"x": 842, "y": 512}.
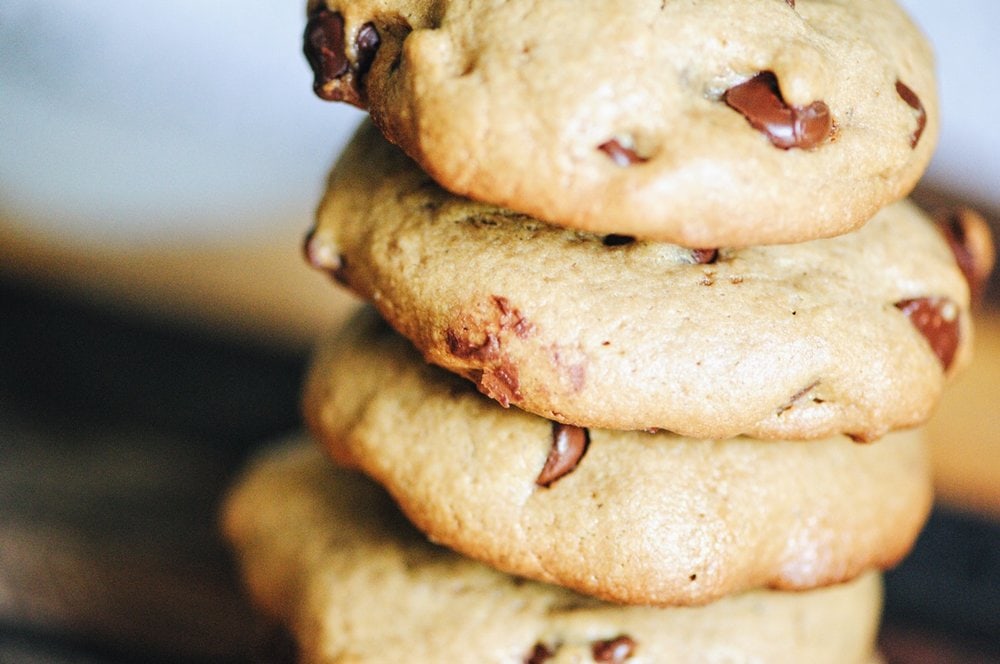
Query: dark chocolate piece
{"x": 615, "y": 240}
{"x": 971, "y": 241}
{"x": 569, "y": 444}
{"x": 539, "y": 654}
{"x": 335, "y": 77}
{"x": 334, "y": 265}
{"x": 913, "y": 101}
{"x": 937, "y": 319}
{"x": 613, "y": 651}
{"x": 366, "y": 44}
{"x": 704, "y": 256}
{"x": 620, "y": 154}
{"x": 759, "y": 101}
{"x": 324, "y": 48}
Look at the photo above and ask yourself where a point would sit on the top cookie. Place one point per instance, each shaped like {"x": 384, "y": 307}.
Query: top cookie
{"x": 718, "y": 122}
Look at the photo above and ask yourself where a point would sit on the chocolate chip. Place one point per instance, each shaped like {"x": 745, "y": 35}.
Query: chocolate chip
{"x": 937, "y": 319}
{"x": 759, "y": 100}
{"x": 366, "y": 44}
{"x": 323, "y": 46}
{"x": 500, "y": 383}
{"x": 569, "y": 444}
{"x": 798, "y": 395}
{"x": 970, "y": 239}
{"x": 463, "y": 346}
{"x": 615, "y": 240}
{"x": 323, "y": 43}
{"x": 791, "y": 3}
{"x": 913, "y": 101}
{"x": 322, "y": 257}
{"x": 613, "y": 650}
{"x": 704, "y": 256}
{"x": 539, "y": 654}
{"x": 309, "y": 249}
{"x": 511, "y": 318}
{"x": 622, "y": 155}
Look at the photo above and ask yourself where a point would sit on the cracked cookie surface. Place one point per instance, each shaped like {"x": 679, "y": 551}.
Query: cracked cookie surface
{"x": 702, "y": 123}
{"x": 632, "y": 517}
{"x": 856, "y": 334}
{"x": 326, "y": 552}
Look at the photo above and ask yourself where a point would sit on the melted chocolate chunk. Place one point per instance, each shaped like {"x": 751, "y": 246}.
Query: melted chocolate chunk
{"x": 613, "y": 651}
{"x": 569, "y": 444}
{"x": 366, "y": 44}
{"x": 759, "y": 101}
{"x": 323, "y": 43}
{"x": 309, "y": 251}
{"x": 913, "y": 101}
{"x": 969, "y": 237}
{"x": 620, "y": 154}
{"x": 501, "y": 384}
{"x": 539, "y": 654}
{"x": 324, "y": 48}
{"x": 321, "y": 257}
{"x": 704, "y": 256}
{"x": 791, "y": 3}
{"x": 615, "y": 240}
{"x": 460, "y": 345}
{"x": 937, "y": 319}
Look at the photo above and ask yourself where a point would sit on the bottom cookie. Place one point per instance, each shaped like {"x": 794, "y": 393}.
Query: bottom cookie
{"x": 326, "y": 552}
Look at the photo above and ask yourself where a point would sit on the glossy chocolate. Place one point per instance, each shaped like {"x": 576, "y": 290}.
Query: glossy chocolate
{"x": 613, "y": 651}
{"x": 321, "y": 257}
{"x": 324, "y": 48}
{"x": 937, "y": 319}
{"x": 539, "y": 654}
{"x": 569, "y": 444}
{"x": 335, "y": 77}
{"x": 620, "y": 154}
{"x": 759, "y": 101}
{"x": 615, "y": 240}
{"x": 366, "y": 44}
{"x": 913, "y": 101}
{"x": 704, "y": 256}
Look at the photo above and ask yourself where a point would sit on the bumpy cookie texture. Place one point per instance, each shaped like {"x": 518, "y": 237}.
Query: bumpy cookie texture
{"x": 726, "y": 122}
{"x": 790, "y": 341}
{"x": 632, "y": 517}
{"x": 325, "y": 551}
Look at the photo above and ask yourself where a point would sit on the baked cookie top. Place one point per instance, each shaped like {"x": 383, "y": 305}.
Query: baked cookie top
{"x": 325, "y": 551}
{"x": 631, "y": 517}
{"x": 854, "y": 334}
{"x": 697, "y": 122}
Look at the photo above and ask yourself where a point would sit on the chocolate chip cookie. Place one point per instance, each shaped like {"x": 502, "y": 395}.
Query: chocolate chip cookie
{"x": 856, "y": 334}
{"x": 631, "y": 517}
{"x": 325, "y": 551}
{"x": 718, "y": 122}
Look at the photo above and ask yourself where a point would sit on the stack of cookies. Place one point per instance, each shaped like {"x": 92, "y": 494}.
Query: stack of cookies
{"x": 651, "y": 335}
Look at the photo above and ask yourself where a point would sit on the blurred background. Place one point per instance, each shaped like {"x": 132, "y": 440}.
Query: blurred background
{"x": 159, "y": 165}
